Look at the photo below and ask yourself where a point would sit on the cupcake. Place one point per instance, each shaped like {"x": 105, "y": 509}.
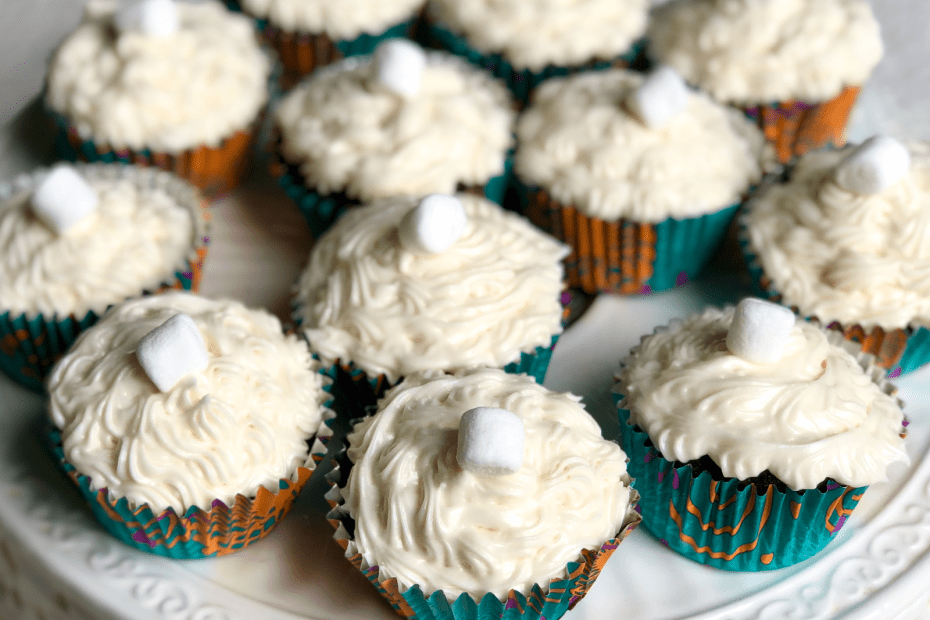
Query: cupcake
{"x": 443, "y": 283}
{"x": 526, "y": 42}
{"x": 794, "y": 66}
{"x": 640, "y": 175}
{"x": 841, "y": 238}
{"x": 752, "y": 435}
{"x": 311, "y": 33}
{"x": 176, "y": 85}
{"x": 189, "y": 425}
{"x": 399, "y": 122}
{"x": 76, "y": 240}
{"x": 480, "y": 494}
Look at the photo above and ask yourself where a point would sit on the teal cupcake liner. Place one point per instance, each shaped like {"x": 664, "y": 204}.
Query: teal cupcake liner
{"x": 200, "y": 532}
{"x": 544, "y": 601}
{"x": 625, "y": 257}
{"x": 31, "y": 344}
{"x": 899, "y": 351}
{"x": 521, "y": 82}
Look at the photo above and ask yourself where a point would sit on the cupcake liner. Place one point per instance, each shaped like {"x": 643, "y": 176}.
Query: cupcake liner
{"x": 200, "y": 532}
{"x": 898, "y": 350}
{"x": 31, "y": 344}
{"x": 625, "y": 257}
{"x": 521, "y": 82}
{"x": 732, "y": 524}
{"x": 796, "y": 127}
{"x": 213, "y": 170}
{"x": 544, "y": 602}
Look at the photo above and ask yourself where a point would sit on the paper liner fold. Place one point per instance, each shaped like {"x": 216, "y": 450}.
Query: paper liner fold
{"x": 544, "y": 602}
{"x": 30, "y": 345}
{"x": 796, "y": 127}
{"x": 625, "y": 257}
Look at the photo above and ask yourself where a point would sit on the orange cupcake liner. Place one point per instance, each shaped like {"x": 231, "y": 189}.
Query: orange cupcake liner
{"x": 796, "y": 127}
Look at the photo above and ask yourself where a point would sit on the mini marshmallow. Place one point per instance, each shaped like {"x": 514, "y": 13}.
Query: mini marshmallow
{"x": 431, "y": 227}
{"x": 63, "y": 198}
{"x": 172, "y": 351}
{"x": 399, "y": 65}
{"x": 490, "y": 442}
{"x": 759, "y": 331}
{"x": 873, "y": 166}
{"x": 662, "y": 95}
{"x": 155, "y": 18}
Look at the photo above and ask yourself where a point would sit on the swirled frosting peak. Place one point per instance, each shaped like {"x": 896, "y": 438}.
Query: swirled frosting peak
{"x": 240, "y": 424}
{"x": 424, "y": 520}
{"x": 490, "y": 296}
{"x": 814, "y": 414}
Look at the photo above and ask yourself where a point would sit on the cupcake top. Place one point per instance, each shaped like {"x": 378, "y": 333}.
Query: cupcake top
{"x": 579, "y": 141}
{"x": 494, "y": 293}
{"x": 753, "y": 52}
{"x": 813, "y": 414}
{"x": 143, "y": 229}
{"x": 352, "y": 134}
{"x": 241, "y": 423}
{"x": 423, "y": 519}
{"x": 844, "y": 256}
{"x": 343, "y": 20}
{"x": 532, "y": 34}
{"x": 126, "y": 89}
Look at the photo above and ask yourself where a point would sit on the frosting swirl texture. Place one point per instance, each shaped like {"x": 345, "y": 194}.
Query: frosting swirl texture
{"x": 346, "y": 19}
{"x": 240, "y": 424}
{"x": 815, "y": 414}
{"x": 423, "y": 520}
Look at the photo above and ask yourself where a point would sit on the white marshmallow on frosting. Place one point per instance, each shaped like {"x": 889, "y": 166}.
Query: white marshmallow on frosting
{"x": 433, "y": 225}
{"x": 490, "y": 442}
{"x": 661, "y": 96}
{"x": 759, "y": 330}
{"x": 172, "y": 351}
{"x": 156, "y": 18}
{"x": 63, "y": 198}
{"x": 874, "y": 165}
{"x": 399, "y": 65}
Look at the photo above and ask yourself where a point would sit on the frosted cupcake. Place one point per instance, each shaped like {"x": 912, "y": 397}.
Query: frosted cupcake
{"x": 640, "y": 175}
{"x": 500, "y": 497}
{"x": 794, "y": 66}
{"x": 77, "y": 240}
{"x": 311, "y": 33}
{"x": 400, "y": 122}
{"x": 402, "y": 285}
{"x": 176, "y": 85}
{"x": 842, "y": 239}
{"x": 189, "y": 425}
{"x": 752, "y": 436}
{"x": 526, "y": 42}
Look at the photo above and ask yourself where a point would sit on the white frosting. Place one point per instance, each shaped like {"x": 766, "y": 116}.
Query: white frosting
{"x": 493, "y": 294}
{"x": 422, "y": 519}
{"x": 240, "y": 424}
{"x": 843, "y": 256}
{"x": 531, "y": 34}
{"x": 577, "y": 141}
{"x": 352, "y": 135}
{"x": 141, "y": 232}
{"x": 812, "y": 415}
{"x": 197, "y": 86}
{"x": 761, "y": 51}
{"x": 341, "y": 20}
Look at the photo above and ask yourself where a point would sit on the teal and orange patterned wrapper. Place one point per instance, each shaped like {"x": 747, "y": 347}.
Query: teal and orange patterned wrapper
{"x": 625, "y": 257}
{"x": 898, "y": 350}
{"x": 521, "y": 82}
{"x": 544, "y": 601}
{"x": 727, "y": 523}
{"x": 200, "y": 532}
{"x": 31, "y": 344}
